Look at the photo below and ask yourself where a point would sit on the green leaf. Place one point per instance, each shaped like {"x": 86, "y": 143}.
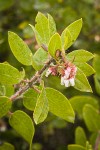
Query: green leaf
{"x": 23, "y": 124}
{"x": 52, "y": 25}
{"x": 37, "y": 35}
{"x": 75, "y": 147}
{"x": 96, "y": 65}
{"x": 88, "y": 146}
{"x": 29, "y": 99}
{"x": 20, "y": 49}
{"x": 7, "y": 146}
{"x": 59, "y": 105}
{"x": 93, "y": 138}
{"x": 79, "y": 56}
{"x": 97, "y": 84}
{"x": 80, "y": 137}
{"x": 39, "y": 59}
{"x": 6, "y": 90}
{"x": 91, "y": 117}
{"x": 81, "y": 82}
{"x": 9, "y": 75}
{"x": 74, "y": 30}
{"x": 42, "y": 107}
{"x": 9, "y": 90}
{"x": 66, "y": 39}
{"x": 2, "y": 90}
{"x": 87, "y": 69}
{"x": 78, "y": 102}
{"x": 54, "y": 44}
{"x": 42, "y": 28}
{"x": 5, "y": 105}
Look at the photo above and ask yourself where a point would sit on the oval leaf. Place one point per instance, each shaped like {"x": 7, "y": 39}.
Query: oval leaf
{"x": 78, "y": 102}
{"x": 80, "y": 137}
{"x": 87, "y": 69}
{"x": 7, "y": 146}
{"x": 59, "y": 105}
{"x": 52, "y": 25}
{"x": 42, "y": 108}
{"x": 39, "y": 59}
{"x": 74, "y": 30}
{"x": 66, "y": 39}
{"x": 37, "y": 35}
{"x": 23, "y": 124}
{"x": 5, "y": 105}
{"x": 20, "y": 49}
{"x": 54, "y": 44}
{"x": 42, "y": 28}
{"x": 96, "y": 65}
{"x": 9, "y": 75}
{"x": 97, "y": 84}
{"x": 76, "y": 147}
{"x": 81, "y": 82}
{"x": 80, "y": 56}
{"x": 91, "y": 117}
{"x": 29, "y": 99}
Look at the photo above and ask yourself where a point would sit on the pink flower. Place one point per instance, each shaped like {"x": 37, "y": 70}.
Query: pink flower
{"x": 52, "y": 70}
{"x": 68, "y": 78}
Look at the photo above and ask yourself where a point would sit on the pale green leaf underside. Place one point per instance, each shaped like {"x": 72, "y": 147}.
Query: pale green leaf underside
{"x": 5, "y": 105}
{"x": 9, "y": 75}
{"x": 23, "y": 124}
{"x": 39, "y": 59}
{"x": 81, "y": 82}
{"x": 75, "y": 147}
{"x": 78, "y": 102}
{"x": 79, "y": 56}
{"x": 91, "y": 117}
{"x": 20, "y": 49}
{"x": 54, "y": 44}
{"x": 7, "y": 146}
{"x": 29, "y": 99}
{"x": 59, "y": 105}
{"x": 42, "y": 107}
{"x": 80, "y": 137}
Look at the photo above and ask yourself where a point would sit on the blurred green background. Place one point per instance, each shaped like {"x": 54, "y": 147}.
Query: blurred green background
{"x": 15, "y": 15}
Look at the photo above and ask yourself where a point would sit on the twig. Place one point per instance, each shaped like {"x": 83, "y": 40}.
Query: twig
{"x": 36, "y": 89}
{"x": 97, "y": 142}
{"x": 31, "y": 82}
{"x": 44, "y": 47}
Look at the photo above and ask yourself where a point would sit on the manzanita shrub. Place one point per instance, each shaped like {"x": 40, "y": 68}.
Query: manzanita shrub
{"x": 51, "y": 59}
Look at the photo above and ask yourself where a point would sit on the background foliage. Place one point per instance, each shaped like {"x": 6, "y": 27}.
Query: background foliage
{"x": 15, "y": 15}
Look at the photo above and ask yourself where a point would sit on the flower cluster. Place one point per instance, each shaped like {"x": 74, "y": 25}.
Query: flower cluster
{"x": 68, "y": 75}
{"x": 67, "y": 72}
